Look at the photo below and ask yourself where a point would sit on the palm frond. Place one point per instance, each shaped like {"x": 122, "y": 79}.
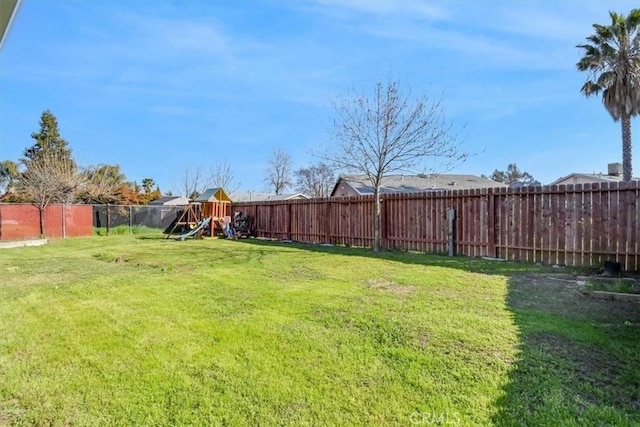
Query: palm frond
{"x": 607, "y": 79}
{"x": 595, "y": 39}
{"x": 603, "y": 32}
{"x": 590, "y": 88}
{"x": 612, "y": 59}
{"x": 633, "y": 20}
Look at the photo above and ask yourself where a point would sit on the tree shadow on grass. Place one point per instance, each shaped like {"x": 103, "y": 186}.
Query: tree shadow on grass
{"x": 474, "y": 265}
{"x": 578, "y": 357}
{"x": 154, "y": 237}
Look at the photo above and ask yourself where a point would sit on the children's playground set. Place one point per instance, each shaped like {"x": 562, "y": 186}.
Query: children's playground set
{"x": 209, "y": 215}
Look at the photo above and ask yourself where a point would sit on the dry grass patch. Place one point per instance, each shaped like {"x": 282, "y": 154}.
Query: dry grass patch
{"x": 389, "y": 286}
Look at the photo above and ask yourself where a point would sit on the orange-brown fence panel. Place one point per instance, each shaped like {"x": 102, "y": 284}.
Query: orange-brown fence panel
{"x": 582, "y": 225}
{"x": 22, "y": 221}
{"x": 19, "y": 222}
{"x": 78, "y": 220}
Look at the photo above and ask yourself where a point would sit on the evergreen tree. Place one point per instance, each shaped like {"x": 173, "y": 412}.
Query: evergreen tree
{"x": 49, "y": 143}
{"x": 8, "y": 174}
{"x": 511, "y": 175}
{"x": 51, "y": 173}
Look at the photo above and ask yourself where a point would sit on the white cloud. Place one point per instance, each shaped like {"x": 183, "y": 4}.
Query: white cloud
{"x": 423, "y": 9}
{"x": 162, "y": 36}
{"x": 529, "y": 35}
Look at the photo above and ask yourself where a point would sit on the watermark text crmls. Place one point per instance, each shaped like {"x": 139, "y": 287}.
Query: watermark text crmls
{"x": 435, "y": 418}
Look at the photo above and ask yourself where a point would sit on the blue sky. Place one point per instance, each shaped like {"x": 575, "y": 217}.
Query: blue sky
{"x": 159, "y": 87}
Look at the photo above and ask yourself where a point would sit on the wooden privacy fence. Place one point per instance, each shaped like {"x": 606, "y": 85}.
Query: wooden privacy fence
{"x": 22, "y": 221}
{"x": 581, "y": 225}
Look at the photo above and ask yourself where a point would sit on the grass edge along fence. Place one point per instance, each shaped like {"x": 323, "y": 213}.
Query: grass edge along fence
{"x": 133, "y": 218}
{"x": 574, "y": 225}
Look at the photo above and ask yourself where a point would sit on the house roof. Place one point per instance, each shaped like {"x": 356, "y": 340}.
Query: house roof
{"x": 290, "y": 196}
{"x": 174, "y": 200}
{"x": 213, "y": 195}
{"x": 593, "y": 177}
{"x": 417, "y": 183}
{"x": 253, "y": 196}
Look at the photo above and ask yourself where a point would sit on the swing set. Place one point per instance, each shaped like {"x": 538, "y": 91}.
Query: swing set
{"x": 206, "y": 215}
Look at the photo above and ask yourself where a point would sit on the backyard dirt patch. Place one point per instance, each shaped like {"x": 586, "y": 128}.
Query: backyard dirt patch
{"x": 22, "y": 243}
{"x": 561, "y": 294}
{"x": 598, "y": 375}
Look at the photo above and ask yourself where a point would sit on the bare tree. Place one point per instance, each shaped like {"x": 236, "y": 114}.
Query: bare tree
{"x": 49, "y": 180}
{"x": 278, "y": 175}
{"x": 316, "y": 181}
{"x": 390, "y": 131}
{"x": 222, "y": 177}
{"x": 192, "y": 183}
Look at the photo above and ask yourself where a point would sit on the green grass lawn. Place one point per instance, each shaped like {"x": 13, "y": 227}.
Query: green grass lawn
{"x": 138, "y": 330}
{"x": 622, "y": 285}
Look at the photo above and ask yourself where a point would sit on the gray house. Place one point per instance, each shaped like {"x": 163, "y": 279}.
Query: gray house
{"x": 614, "y": 174}
{"x": 171, "y": 201}
{"x": 359, "y": 185}
{"x": 255, "y": 196}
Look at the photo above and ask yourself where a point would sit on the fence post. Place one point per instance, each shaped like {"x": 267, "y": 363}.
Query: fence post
{"x": 64, "y": 221}
{"x": 327, "y": 222}
{"x": 451, "y": 235}
{"x": 383, "y": 222}
{"x": 130, "y": 220}
{"x": 491, "y": 224}
{"x": 108, "y": 220}
{"x": 288, "y": 228}
{"x": 255, "y": 219}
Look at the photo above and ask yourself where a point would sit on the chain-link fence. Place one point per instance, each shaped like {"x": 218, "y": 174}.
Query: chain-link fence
{"x": 111, "y": 216}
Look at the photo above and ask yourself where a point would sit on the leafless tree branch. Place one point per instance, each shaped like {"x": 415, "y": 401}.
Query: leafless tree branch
{"x": 390, "y": 131}
{"x": 278, "y": 173}
{"x": 48, "y": 180}
{"x": 222, "y": 177}
{"x": 315, "y": 181}
{"x": 192, "y": 183}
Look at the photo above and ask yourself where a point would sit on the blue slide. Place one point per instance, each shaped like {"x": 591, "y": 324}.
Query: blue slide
{"x": 201, "y": 225}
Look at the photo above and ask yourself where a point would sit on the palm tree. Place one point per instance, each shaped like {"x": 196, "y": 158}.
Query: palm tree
{"x": 148, "y": 184}
{"x": 612, "y": 59}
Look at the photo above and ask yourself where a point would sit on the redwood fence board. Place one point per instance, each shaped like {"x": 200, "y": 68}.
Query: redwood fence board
{"x": 581, "y": 225}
